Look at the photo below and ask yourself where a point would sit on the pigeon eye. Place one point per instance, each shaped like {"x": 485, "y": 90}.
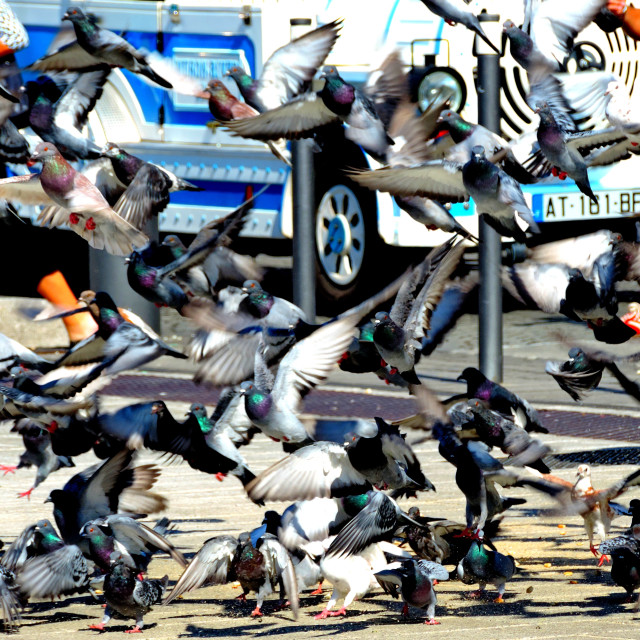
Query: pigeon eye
{"x": 91, "y": 530}
{"x": 46, "y": 149}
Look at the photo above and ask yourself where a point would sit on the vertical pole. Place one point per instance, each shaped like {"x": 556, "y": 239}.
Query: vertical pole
{"x": 304, "y": 218}
{"x": 304, "y": 244}
{"x": 109, "y": 273}
{"x": 490, "y": 301}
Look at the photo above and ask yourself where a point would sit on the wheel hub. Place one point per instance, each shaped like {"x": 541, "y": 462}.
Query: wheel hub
{"x": 339, "y": 236}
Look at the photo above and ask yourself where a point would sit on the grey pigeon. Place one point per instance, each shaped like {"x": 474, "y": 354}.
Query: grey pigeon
{"x": 128, "y": 596}
{"x": 624, "y": 551}
{"x": 288, "y": 70}
{"x": 578, "y": 375}
{"x": 80, "y": 204}
{"x": 414, "y": 580}
{"x": 455, "y": 11}
{"x": 9, "y": 603}
{"x": 93, "y": 46}
{"x": 486, "y": 566}
{"x": 259, "y": 565}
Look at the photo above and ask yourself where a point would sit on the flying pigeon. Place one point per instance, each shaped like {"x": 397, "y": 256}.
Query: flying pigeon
{"x": 576, "y": 376}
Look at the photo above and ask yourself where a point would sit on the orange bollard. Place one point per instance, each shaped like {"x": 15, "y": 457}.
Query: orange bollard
{"x": 55, "y": 289}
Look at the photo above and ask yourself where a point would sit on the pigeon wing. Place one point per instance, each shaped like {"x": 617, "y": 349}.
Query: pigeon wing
{"x": 69, "y": 56}
{"x": 26, "y": 189}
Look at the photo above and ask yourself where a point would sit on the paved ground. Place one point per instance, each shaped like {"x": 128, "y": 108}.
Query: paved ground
{"x": 558, "y": 592}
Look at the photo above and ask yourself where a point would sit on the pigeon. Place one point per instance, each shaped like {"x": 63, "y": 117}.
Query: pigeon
{"x": 148, "y": 186}
{"x": 328, "y": 469}
{"x": 563, "y": 149}
{"x": 576, "y": 376}
{"x": 486, "y": 566}
{"x": 154, "y": 283}
{"x": 38, "y": 453}
{"x": 289, "y": 70}
{"x": 133, "y": 540}
{"x": 58, "y": 115}
{"x": 338, "y": 101}
{"x": 57, "y": 569}
{"x": 258, "y": 565}
{"x": 12, "y": 353}
{"x": 99, "y": 490}
{"x": 624, "y": 551}
{"x": 128, "y": 596}
{"x": 80, "y": 204}
{"x": 9, "y": 602}
{"x": 497, "y": 195}
{"x": 273, "y": 404}
{"x": 414, "y": 579}
{"x": 397, "y": 335}
{"x": 455, "y": 11}
{"x": 377, "y": 521}
{"x": 95, "y": 46}
{"x": 595, "y": 506}
{"x": 500, "y": 399}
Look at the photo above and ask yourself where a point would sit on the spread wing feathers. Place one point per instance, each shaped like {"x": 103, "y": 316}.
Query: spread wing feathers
{"x": 137, "y": 536}
{"x": 66, "y": 383}
{"x": 538, "y": 285}
{"x": 25, "y": 189}
{"x": 209, "y": 566}
{"x": 80, "y": 98}
{"x": 615, "y": 152}
{"x": 63, "y": 571}
{"x": 279, "y": 565}
{"x": 167, "y": 69}
{"x": 376, "y": 522}
{"x": 292, "y": 67}
{"x": 585, "y": 141}
{"x": 29, "y": 403}
{"x": 146, "y": 195}
{"x": 319, "y": 470}
{"x": 619, "y": 542}
{"x": 292, "y": 120}
{"x": 409, "y": 135}
{"x": 69, "y": 56}
{"x": 387, "y": 86}
{"x": 575, "y": 383}
{"x": 439, "y": 180}
{"x": 16, "y": 555}
{"x": 311, "y": 360}
{"x": 418, "y": 322}
{"x": 9, "y": 603}
{"x": 231, "y": 363}
{"x": 309, "y": 521}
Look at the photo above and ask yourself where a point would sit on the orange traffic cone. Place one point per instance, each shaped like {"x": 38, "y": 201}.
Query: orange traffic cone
{"x": 55, "y": 289}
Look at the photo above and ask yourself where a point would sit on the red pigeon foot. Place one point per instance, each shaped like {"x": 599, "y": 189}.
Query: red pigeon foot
{"x": 256, "y": 613}
{"x": 593, "y": 550}
{"x": 478, "y": 593}
{"x": 431, "y": 621}
{"x": 26, "y": 494}
{"x": 339, "y": 612}
{"x": 405, "y": 610}
{"x": 242, "y": 597}
{"x": 90, "y": 225}
{"x": 140, "y": 576}
{"x": 135, "y": 629}
{"x": 382, "y": 363}
{"x": 499, "y": 599}
{"x": 322, "y": 615}
{"x": 220, "y": 476}
{"x": 318, "y": 591}
{"x": 97, "y": 627}
{"x": 393, "y": 371}
{"x": 74, "y": 218}
{"x": 343, "y": 357}
{"x": 554, "y": 171}
{"x": 562, "y": 175}
{"x": 8, "y": 468}
{"x": 603, "y": 558}
{"x": 634, "y": 144}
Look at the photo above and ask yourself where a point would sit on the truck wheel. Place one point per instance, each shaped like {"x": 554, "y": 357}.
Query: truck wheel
{"x": 346, "y": 241}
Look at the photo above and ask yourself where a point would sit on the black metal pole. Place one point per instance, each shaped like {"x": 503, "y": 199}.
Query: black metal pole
{"x": 490, "y": 301}
{"x": 304, "y": 244}
{"x": 109, "y": 273}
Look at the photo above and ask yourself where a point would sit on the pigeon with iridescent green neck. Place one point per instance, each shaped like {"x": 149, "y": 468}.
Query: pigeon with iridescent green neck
{"x": 578, "y": 375}
{"x": 96, "y": 46}
{"x": 486, "y": 566}
{"x": 80, "y": 205}
{"x": 289, "y": 70}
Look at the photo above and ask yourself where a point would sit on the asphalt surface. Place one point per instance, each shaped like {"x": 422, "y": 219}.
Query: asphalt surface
{"x": 558, "y": 591}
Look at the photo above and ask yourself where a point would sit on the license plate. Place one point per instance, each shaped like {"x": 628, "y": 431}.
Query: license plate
{"x": 205, "y": 64}
{"x": 577, "y": 206}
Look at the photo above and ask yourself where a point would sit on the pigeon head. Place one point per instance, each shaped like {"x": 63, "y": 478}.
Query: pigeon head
{"x": 246, "y": 387}
{"x": 240, "y": 76}
{"x": 218, "y": 89}
{"x": 111, "y": 150}
{"x": 329, "y": 71}
{"x": 575, "y": 352}
{"x": 478, "y": 152}
{"x": 584, "y": 471}
{"x": 44, "y": 151}
{"x": 173, "y": 242}
{"x": 381, "y": 316}
{"x": 251, "y": 285}
{"x": 273, "y": 520}
{"x": 508, "y": 25}
{"x": 337, "y": 94}
{"x": 197, "y": 409}
{"x": 546, "y": 115}
{"x": 458, "y": 128}
{"x": 74, "y": 14}
{"x": 634, "y": 506}
{"x": 472, "y": 376}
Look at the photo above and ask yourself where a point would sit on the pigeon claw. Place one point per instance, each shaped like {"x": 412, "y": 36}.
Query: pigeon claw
{"x": 135, "y": 629}
{"x": 431, "y": 621}
{"x": 90, "y": 225}
{"x": 562, "y": 175}
{"x": 322, "y": 615}
{"x": 8, "y": 468}
{"x": 220, "y": 476}
{"x": 603, "y": 558}
{"x": 74, "y": 218}
{"x": 256, "y": 613}
{"x": 339, "y": 612}
{"x": 318, "y": 591}
{"x": 26, "y": 494}
{"x": 242, "y": 597}
{"x": 393, "y": 371}
{"x": 97, "y": 627}
{"x": 594, "y": 550}
{"x": 499, "y": 599}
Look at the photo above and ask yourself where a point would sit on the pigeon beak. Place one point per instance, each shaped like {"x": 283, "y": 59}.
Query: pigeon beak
{"x": 127, "y": 260}
{"x": 48, "y": 499}
{"x": 461, "y": 378}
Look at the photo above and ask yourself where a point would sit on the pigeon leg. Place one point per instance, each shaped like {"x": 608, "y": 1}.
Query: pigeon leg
{"x": 242, "y": 597}
{"x": 339, "y": 612}
{"x": 593, "y": 550}
{"x": 105, "y": 620}
{"x": 478, "y": 593}
{"x": 431, "y": 611}
{"x": 603, "y": 558}
{"x": 137, "y": 628}
{"x": 26, "y": 494}
{"x": 318, "y": 591}
{"x": 405, "y": 610}
{"x": 501, "y": 587}
{"x": 256, "y": 613}
{"x": 8, "y": 468}
{"x": 327, "y": 610}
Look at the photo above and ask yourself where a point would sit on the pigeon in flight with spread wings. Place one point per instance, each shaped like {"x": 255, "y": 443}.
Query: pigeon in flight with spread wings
{"x": 80, "y": 204}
